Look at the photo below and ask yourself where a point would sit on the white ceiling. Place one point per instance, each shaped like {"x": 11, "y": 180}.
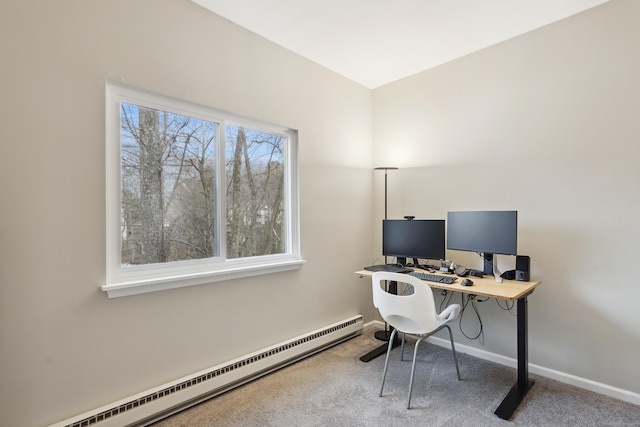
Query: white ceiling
{"x": 375, "y": 42}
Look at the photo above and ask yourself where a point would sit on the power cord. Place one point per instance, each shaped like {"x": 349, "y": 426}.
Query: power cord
{"x": 473, "y": 299}
{"x": 508, "y": 306}
{"x": 446, "y": 300}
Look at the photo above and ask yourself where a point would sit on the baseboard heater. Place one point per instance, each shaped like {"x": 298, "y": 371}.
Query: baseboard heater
{"x": 152, "y": 405}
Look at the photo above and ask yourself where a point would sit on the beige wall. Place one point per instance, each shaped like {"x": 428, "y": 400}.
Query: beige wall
{"x": 65, "y": 347}
{"x": 547, "y": 124}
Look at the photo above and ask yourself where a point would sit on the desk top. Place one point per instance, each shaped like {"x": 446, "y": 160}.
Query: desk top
{"x": 483, "y": 286}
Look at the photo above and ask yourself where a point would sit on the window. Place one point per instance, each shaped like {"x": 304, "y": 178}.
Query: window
{"x": 195, "y": 195}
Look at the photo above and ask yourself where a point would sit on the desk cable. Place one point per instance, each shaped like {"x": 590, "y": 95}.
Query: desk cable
{"x": 473, "y": 299}
{"x": 446, "y": 300}
{"x": 508, "y": 306}
{"x": 464, "y": 303}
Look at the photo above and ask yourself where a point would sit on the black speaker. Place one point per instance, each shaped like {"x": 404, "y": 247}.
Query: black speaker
{"x": 522, "y": 268}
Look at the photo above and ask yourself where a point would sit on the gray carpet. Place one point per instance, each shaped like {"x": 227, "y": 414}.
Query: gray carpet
{"x": 334, "y": 388}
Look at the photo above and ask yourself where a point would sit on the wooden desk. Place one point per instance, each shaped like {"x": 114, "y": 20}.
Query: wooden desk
{"x": 485, "y": 286}
{"x": 508, "y": 290}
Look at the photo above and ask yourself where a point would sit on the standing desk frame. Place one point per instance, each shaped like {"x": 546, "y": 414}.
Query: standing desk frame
{"x": 508, "y": 290}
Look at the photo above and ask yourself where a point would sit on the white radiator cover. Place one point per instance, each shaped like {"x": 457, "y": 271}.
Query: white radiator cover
{"x": 159, "y": 402}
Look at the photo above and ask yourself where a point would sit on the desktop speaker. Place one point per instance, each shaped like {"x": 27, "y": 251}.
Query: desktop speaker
{"x": 522, "y": 268}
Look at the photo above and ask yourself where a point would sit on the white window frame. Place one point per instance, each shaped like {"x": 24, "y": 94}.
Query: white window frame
{"x": 132, "y": 280}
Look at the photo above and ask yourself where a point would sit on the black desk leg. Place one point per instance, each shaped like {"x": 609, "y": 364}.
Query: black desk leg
{"x": 379, "y": 351}
{"x": 519, "y": 390}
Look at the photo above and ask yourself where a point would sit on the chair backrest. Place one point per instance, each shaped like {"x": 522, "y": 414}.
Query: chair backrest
{"x": 414, "y": 313}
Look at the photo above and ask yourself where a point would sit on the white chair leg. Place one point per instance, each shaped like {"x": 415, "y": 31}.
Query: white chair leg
{"x": 386, "y": 360}
{"x": 453, "y": 349}
{"x": 402, "y": 348}
{"x": 413, "y": 369}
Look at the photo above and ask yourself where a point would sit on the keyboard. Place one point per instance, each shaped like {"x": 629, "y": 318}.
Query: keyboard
{"x": 388, "y": 268}
{"x": 437, "y": 278}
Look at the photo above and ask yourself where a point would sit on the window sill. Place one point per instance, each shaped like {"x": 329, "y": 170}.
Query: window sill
{"x": 122, "y": 289}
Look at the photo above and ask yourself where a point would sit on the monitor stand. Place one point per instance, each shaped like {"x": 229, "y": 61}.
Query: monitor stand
{"x": 488, "y": 263}
{"x": 490, "y": 266}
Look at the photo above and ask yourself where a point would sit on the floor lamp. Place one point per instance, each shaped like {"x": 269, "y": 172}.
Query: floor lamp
{"x": 385, "y": 334}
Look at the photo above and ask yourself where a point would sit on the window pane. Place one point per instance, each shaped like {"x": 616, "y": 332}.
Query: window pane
{"x": 255, "y": 193}
{"x": 168, "y": 187}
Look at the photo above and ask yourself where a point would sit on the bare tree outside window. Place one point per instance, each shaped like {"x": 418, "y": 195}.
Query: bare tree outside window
{"x": 195, "y": 195}
{"x": 168, "y": 189}
{"x": 255, "y": 193}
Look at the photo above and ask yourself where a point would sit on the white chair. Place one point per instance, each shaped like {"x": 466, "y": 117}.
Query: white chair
{"x": 414, "y": 314}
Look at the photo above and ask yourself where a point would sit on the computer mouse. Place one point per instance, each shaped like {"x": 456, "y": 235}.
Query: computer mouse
{"x": 466, "y": 282}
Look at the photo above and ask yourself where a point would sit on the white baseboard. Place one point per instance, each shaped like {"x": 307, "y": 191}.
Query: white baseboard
{"x": 584, "y": 383}
{"x": 151, "y": 405}
{"x": 563, "y": 377}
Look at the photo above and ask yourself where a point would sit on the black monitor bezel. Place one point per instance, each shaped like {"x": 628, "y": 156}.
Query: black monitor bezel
{"x": 434, "y": 228}
{"x": 492, "y": 232}
{"x": 482, "y": 238}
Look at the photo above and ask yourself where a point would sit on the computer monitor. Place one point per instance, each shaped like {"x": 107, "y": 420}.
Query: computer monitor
{"x": 485, "y": 232}
{"x": 415, "y": 238}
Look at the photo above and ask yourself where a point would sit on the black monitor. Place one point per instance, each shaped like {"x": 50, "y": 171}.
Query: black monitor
{"x": 485, "y": 232}
{"x": 416, "y": 238}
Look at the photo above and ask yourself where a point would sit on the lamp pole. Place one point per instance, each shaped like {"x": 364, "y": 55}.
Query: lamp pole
{"x": 385, "y": 169}
{"x": 385, "y": 334}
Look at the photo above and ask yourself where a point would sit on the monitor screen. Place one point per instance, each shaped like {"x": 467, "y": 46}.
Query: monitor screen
{"x": 487, "y": 232}
{"x": 417, "y": 238}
